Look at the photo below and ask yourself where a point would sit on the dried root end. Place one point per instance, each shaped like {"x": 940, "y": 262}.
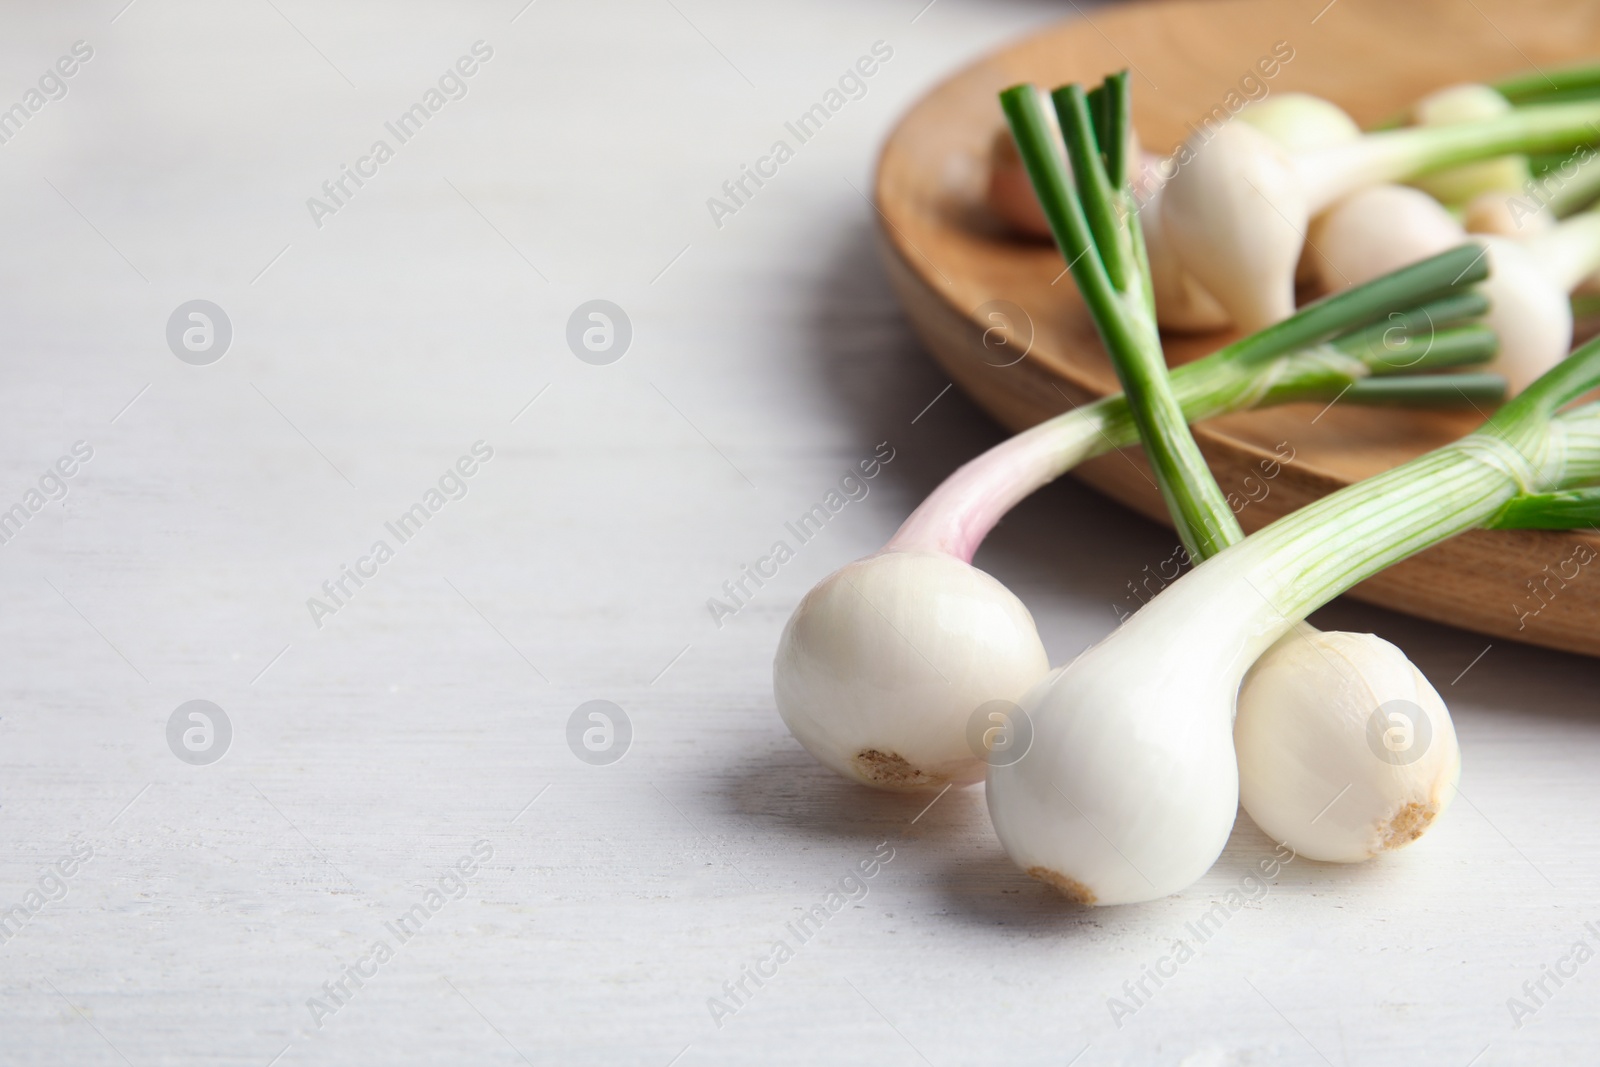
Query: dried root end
{"x": 1408, "y": 824}
{"x": 1070, "y": 888}
{"x": 890, "y": 771}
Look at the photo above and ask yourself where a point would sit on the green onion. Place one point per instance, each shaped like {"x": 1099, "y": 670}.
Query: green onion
{"x": 1131, "y": 785}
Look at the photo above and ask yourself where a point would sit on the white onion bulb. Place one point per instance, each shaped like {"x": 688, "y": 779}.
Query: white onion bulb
{"x": 1299, "y": 121}
{"x": 1377, "y": 230}
{"x": 1528, "y": 310}
{"x": 1128, "y": 788}
{"x": 1345, "y": 750}
{"x": 1380, "y": 229}
{"x": 1241, "y": 250}
{"x": 884, "y": 663}
{"x": 1238, "y": 204}
{"x": 1182, "y": 303}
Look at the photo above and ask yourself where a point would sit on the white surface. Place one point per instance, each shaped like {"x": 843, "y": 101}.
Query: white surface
{"x": 374, "y": 752}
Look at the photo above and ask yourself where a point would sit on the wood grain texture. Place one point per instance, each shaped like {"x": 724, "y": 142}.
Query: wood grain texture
{"x": 947, "y": 258}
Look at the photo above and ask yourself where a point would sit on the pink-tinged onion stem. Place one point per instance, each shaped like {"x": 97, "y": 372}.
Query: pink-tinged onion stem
{"x": 958, "y": 515}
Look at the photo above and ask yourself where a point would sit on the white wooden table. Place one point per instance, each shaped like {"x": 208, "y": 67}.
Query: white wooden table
{"x": 423, "y": 714}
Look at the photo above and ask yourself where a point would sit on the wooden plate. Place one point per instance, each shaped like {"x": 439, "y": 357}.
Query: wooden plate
{"x": 947, "y": 258}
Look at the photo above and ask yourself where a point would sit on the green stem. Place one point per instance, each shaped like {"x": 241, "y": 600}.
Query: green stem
{"x": 1389, "y": 352}
{"x": 1436, "y": 278}
{"x": 1103, "y": 262}
{"x": 1567, "y": 509}
{"x": 1259, "y": 589}
{"x": 1427, "y": 390}
{"x": 1572, "y": 85}
{"x": 1095, "y": 195}
{"x": 1527, "y": 413}
{"x": 1539, "y": 86}
{"x": 955, "y": 517}
{"x": 1314, "y": 355}
{"x": 1399, "y": 155}
{"x": 1037, "y": 138}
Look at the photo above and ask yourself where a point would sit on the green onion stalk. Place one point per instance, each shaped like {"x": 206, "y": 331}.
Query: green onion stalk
{"x": 1374, "y": 345}
{"x": 1552, "y": 183}
{"x": 1569, "y": 509}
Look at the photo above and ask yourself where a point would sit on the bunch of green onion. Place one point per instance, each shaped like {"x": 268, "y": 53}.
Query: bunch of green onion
{"x": 1131, "y": 783}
